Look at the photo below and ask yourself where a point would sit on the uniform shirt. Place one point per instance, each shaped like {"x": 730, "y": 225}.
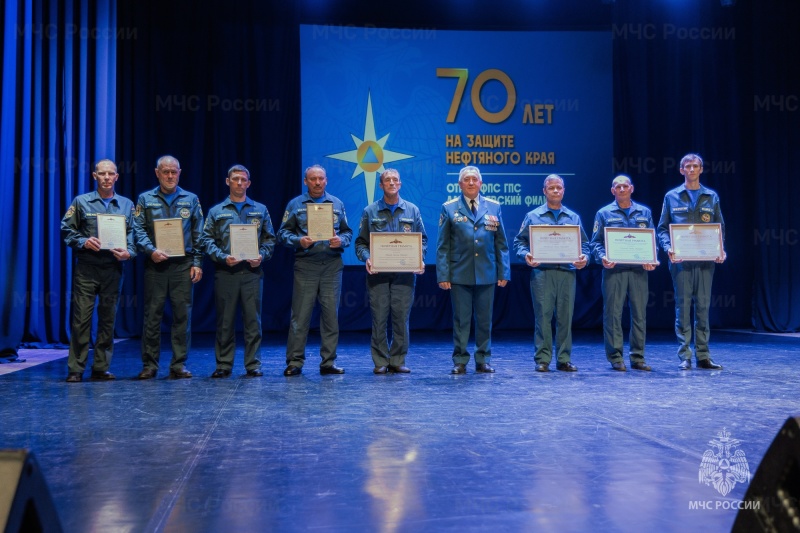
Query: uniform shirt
{"x": 295, "y": 226}
{"x": 378, "y": 217}
{"x": 80, "y": 223}
{"x": 185, "y": 205}
{"x": 542, "y": 216}
{"x": 217, "y": 233}
{"x": 472, "y": 249}
{"x": 613, "y": 216}
{"x": 678, "y": 209}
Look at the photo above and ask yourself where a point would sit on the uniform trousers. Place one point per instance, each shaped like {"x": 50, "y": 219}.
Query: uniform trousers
{"x": 617, "y": 286}
{"x": 171, "y": 278}
{"x": 232, "y": 289}
{"x": 90, "y": 284}
{"x": 552, "y": 290}
{"x": 315, "y": 280}
{"x": 390, "y": 294}
{"x": 472, "y": 301}
{"x": 691, "y": 281}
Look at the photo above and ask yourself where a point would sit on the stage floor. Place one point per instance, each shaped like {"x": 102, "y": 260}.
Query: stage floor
{"x": 596, "y": 450}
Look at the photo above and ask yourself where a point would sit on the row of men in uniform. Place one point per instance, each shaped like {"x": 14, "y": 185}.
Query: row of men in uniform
{"x": 473, "y": 257}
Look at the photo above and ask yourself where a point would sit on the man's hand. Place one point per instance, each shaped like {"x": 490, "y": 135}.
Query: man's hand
{"x": 196, "y": 274}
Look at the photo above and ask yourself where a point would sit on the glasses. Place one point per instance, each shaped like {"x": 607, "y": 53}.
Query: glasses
{"x": 471, "y": 180}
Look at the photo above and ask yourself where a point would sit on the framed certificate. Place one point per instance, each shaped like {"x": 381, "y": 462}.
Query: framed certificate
{"x": 633, "y": 246}
{"x": 320, "y": 221}
{"x": 112, "y": 231}
{"x": 555, "y": 244}
{"x": 244, "y": 241}
{"x": 169, "y": 236}
{"x": 396, "y": 252}
{"x": 696, "y": 242}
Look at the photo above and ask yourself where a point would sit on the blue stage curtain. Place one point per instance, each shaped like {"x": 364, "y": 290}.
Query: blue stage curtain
{"x": 775, "y": 189}
{"x": 58, "y": 116}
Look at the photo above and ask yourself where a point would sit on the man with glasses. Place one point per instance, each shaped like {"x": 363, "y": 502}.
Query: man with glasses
{"x": 389, "y": 292}
{"x": 471, "y": 258}
{"x": 691, "y": 203}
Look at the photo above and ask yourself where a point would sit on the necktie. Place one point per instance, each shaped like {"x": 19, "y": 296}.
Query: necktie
{"x": 472, "y": 205}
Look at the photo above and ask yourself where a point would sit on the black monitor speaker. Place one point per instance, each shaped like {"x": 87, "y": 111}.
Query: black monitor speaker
{"x": 772, "y": 502}
{"x": 25, "y": 502}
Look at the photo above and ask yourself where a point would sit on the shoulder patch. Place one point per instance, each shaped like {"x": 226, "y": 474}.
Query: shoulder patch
{"x": 70, "y": 211}
{"x": 596, "y": 224}
{"x": 448, "y": 202}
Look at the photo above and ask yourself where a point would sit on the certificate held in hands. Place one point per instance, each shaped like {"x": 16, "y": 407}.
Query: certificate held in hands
{"x": 244, "y": 241}
{"x": 111, "y": 231}
{"x": 696, "y": 242}
{"x": 555, "y": 244}
{"x": 396, "y": 252}
{"x": 169, "y": 236}
{"x": 320, "y": 221}
{"x": 631, "y": 246}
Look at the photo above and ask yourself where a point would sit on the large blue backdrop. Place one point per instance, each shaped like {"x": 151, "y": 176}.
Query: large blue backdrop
{"x": 215, "y": 83}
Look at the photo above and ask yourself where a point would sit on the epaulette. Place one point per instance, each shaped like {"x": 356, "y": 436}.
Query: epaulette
{"x": 491, "y": 200}
{"x": 448, "y": 202}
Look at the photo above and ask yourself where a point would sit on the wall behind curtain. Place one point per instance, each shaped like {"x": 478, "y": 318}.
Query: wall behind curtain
{"x": 58, "y": 115}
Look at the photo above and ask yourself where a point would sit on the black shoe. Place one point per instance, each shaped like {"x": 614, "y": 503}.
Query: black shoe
{"x": 333, "y": 369}
{"x": 542, "y": 367}
{"x": 484, "y": 368}
{"x": 641, "y": 365}
{"x": 74, "y": 377}
{"x": 102, "y": 376}
{"x": 380, "y": 370}
{"x": 459, "y": 368}
{"x": 619, "y": 366}
{"x": 254, "y": 373}
{"x": 180, "y": 374}
{"x": 147, "y": 373}
{"x": 399, "y": 369}
{"x": 566, "y": 367}
{"x": 293, "y": 370}
{"x": 221, "y": 373}
{"x": 708, "y": 364}
{"x": 686, "y": 364}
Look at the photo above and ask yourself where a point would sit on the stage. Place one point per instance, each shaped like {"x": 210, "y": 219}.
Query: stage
{"x": 517, "y": 450}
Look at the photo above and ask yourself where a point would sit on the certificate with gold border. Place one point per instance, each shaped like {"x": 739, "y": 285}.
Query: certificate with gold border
{"x": 244, "y": 241}
{"x": 396, "y": 252}
{"x": 630, "y": 246}
{"x": 319, "y": 218}
{"x": 555, "y": 244}
{"x": 112, "y": 231}
{"x": 696, "y": 242}
{"x": 169, "y": 236}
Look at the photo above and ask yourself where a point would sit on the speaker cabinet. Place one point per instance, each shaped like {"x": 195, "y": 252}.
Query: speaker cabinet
{"x": 774, "y": 492}
{"x": 25, "y": 502}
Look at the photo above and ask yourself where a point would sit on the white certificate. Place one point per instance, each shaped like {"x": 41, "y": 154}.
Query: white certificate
{"x": 320, "y": 221}
{"x": 169, "y": 236}
{"x": 696, "y": 242}
{"x": 112, "y": 231}
{"x": 634, "y": 246}
{"x": 555, "y": 244}
{"x": 396, "y": 252}
{"x": 244, "y": 241}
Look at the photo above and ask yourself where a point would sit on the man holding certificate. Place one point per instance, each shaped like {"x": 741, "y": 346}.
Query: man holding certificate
{"x": 555, "y": 255}
{"x": 630, "y": 255}
{"x": 471, "y": 258}
{"x": 391, "y": 291}
{"x": 238, "y": 237}
{"x": 315, "y": 227}
{"x": 692, "y": 204}
{"x": 169, "y": 229}
{"x": 97, "y": 274}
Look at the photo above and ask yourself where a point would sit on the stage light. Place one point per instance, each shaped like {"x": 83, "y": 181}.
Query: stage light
{"x": 727, "y": 3}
